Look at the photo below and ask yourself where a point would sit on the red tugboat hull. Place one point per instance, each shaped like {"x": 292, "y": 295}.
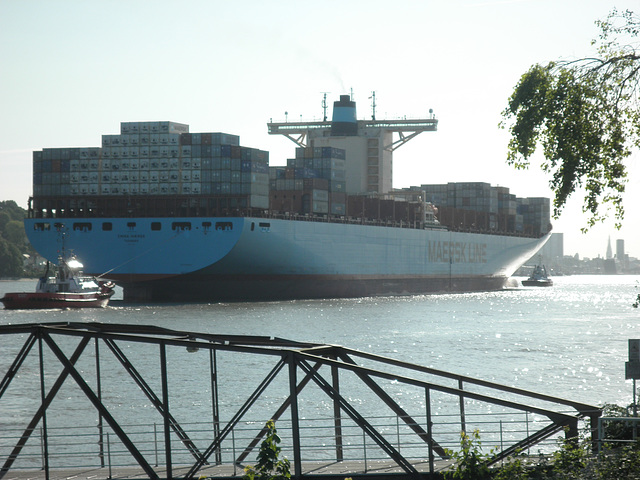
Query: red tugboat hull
{"x": 25, "y": 301}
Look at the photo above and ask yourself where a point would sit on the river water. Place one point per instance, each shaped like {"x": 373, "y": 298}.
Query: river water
{"x": 570, "y": 340}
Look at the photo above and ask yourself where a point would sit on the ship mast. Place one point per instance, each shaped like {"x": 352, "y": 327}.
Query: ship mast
{"x": 373, "y": 105}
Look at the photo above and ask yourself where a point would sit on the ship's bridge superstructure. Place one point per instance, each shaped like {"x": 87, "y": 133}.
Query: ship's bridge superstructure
{"x": 369, "y": 144}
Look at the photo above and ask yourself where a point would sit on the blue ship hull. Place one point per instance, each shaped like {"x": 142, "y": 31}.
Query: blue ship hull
{"x": 241, "y": 258}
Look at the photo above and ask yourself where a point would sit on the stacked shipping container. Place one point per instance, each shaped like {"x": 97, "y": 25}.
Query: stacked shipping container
{"x": 155, "y": 158}
{"x": 494, "y": 208}
{"x": 312, "y": 183}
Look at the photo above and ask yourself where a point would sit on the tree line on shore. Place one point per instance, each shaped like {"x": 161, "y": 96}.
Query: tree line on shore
{"x": 15, "y": 249}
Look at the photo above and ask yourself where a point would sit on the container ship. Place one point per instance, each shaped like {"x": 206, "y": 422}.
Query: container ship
{"x": 171, "y": 215}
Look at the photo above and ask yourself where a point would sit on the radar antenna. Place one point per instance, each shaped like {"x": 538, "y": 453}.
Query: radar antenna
{"x": 324, "y": 106}
{"x": 373, "y": 105}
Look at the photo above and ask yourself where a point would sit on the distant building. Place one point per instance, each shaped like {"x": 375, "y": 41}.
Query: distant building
{"x": 620, "y": 249}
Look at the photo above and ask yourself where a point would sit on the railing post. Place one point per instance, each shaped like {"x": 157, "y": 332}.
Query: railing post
{"x": 155, "y": 441}
{"x": 526, "y": 415}
{"x": 429, "y": 430}
{"x": 99, "y": 388}
{"x": 109, "y": 454}
{"x": 337, "y": 419}
{"x": 43, "y": 430}
{"x": 215, "y": 402}
{"x": 364, "y": 448}
{"x": 233, "y": 449}
{"x": 463, "y": 421}
{"x": 295, "y": 419}
{"x": 501, "y": 441}
{"x": 42, "y": 448}
{"x": 165, "y": 407}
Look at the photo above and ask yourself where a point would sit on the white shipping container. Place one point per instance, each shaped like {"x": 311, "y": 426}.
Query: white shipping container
{"x": 320, "y": 207}
{"x": 259, "y": 201}
{"x": 320, "y": 195}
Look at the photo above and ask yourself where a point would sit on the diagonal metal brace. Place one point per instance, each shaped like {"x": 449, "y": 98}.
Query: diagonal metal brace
{"x": 153, "y": 398}
{"x": 126, "y": 441}
{"x": 397, "y": 409}
{"x": 43, "y": 407}
{"x": 360, "y": 420}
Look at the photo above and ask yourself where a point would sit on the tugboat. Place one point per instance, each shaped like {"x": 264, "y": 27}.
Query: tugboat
{"x": 67, "y": 289}
{"x": 539, "y": 278}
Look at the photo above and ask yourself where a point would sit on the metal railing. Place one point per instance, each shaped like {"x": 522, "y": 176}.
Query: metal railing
{"x": 84, "y": 447}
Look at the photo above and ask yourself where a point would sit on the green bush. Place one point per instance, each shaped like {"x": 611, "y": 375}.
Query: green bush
{"x": 269, "y": 466}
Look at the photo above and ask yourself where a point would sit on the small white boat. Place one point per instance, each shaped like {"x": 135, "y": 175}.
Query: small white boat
{"x": 67, "y": 289}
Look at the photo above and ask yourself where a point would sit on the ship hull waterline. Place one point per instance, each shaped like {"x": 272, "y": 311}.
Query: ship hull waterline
{"x": 245, "y": 259}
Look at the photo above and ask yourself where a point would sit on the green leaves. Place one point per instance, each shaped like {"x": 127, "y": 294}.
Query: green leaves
{"x": 269, "y": 466}
{"x": 469, "y": 461}
{"x": 585, "y": 116}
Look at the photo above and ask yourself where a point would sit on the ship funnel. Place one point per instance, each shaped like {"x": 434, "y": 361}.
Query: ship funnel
{"x": 344, "y": 122}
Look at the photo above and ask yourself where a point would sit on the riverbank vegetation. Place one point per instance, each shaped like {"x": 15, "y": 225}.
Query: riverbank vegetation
{"x": 15, "y": 249}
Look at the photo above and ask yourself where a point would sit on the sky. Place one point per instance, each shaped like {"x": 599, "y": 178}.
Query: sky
{"x": 71, "y": 71}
